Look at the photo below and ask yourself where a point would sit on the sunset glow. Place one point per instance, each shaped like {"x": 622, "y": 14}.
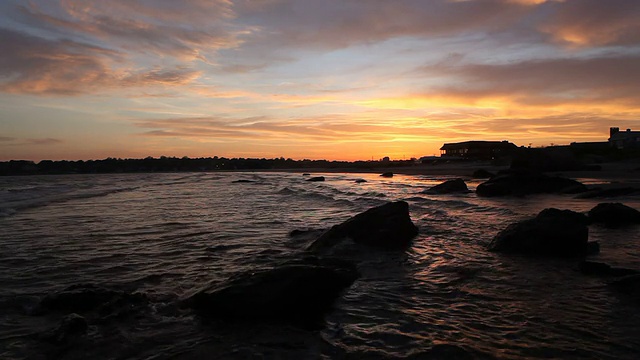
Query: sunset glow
{"x": 344, "y": 80}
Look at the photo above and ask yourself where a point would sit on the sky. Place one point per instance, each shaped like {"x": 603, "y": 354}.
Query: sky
{"x": 309, "y": 79}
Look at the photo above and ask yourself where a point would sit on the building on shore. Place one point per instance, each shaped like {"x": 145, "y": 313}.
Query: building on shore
{"x": 624, "y": 139}
{"x": 477, "y": 150}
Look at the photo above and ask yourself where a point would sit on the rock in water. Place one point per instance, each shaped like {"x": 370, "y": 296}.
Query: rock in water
{"x": 608, "y": 193}
{"x": 85, "y": 298}
{"x": 360, "y": 181}
{"x": 614, "y": 214}
{"x": 71, "y": 326}
{"x": 628, "y": 285}
{"x": 482, "y": 174}
{"x": 553, "y": 233}
{"x": 387, "y": 226}
{"x": 297, "y": 293}
{"x": 387, "y": 174}
{"x": 316, "y": 178}
{"x": 602, "y": 269}
{"x": 448, "y": 187}
{"x": 523, "y": 182}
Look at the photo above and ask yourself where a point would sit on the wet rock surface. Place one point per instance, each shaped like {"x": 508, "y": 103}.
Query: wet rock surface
{"x": 552, "y": 232}
{"x": 71, "y": 327}
{"x": 388, "y": 226}
{"x": 90, "y": 298}
{"x": 523, "y": 182}
{"x": 448, "y": 187}
{"x": 602, "y": 269}
{"x": 482, "y": 174}
{"x": 298, "y": 293}
{"x": 608, "y": 193}
{"x": 628, "y": 286}
{"x": 613, "y": 214}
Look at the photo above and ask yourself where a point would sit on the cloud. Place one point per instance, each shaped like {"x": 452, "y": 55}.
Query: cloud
{"x": 30, "y": 142}
{"x": 593, "y": 22}
{"x": 335, "y": 128}
{"x": 412, "y": 129}
{"x": 42, "y": 141}
{"x": 599, "y": 80}
{"x": 35, "y": 65}
{"x": 337, "y": 24}
{"x": 187, "y": 30}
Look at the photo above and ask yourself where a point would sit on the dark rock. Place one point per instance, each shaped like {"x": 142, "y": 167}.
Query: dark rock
{"x": 602, "y": 269}
{"x": 298, "y": 232}
{"x": 482, "y": 174}
{"x": 306, "y": 174}
{"x": 298, "y": 293}
{"x": 316, "y": 178}
{"x": 387, "y": 174}
{"x": 593, "y": 247}
{"x": 552, "y": 233}
{"x": 84, "y": 298}
{"x": 244, "y": 181}
{"x": 71, "y": 326}
{"x": 614, "y": 214}
{"x": 306, "y": 234}
{"x": 444, "y": 351}
{"x": 359, "y": 181}
{"x": 607, "y": 193}
{"x": 448, "y": 187}
{"x": 520, "y": 183}
{"x": 387, "y": 226}
{"x": 628, "y": 285}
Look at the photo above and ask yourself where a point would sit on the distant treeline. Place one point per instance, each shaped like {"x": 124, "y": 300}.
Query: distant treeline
{"x": 184, "y": 164}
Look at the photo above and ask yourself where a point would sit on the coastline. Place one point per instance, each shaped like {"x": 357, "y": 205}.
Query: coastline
{"x": 613, "y": 172}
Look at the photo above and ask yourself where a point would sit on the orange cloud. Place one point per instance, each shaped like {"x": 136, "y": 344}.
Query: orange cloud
{"x": 33, "y": 65}
{"x": 589, "y": 23}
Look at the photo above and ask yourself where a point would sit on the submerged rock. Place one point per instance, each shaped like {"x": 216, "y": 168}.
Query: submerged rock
{"x": 298, "y": 293}
{"x": 522, "y": 182}
{"x": 84, "y": 298}
{"x": 482, "y": 174}
{"x": 602, "y": 269}
{"x": 70, "y": 327}
{"x": 316, "y": 178}
{"x": 387, "y": 226}
{"x": 448, "y": 187}
{"x": 359, "y": 181}
{"x": 552, "y": 232}
{"x": 305, "y": 235}
{"x": 387, "y": 174}
{"x": 606, "y": 193}
{"x": 614, "y": 214}
{"x": 628, "y": 285}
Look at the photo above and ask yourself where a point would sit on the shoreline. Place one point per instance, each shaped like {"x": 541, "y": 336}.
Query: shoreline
{"x": 615, "y": 172}
{"x": 610, "y": 171}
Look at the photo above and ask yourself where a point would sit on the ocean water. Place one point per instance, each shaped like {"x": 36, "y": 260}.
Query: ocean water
{"x": 167, "y": 235}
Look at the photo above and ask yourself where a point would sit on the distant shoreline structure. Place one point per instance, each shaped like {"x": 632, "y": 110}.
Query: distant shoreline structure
{"x": 621, "y": 145}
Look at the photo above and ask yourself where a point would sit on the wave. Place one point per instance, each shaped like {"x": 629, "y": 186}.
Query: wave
{"x": 38, "y": 197}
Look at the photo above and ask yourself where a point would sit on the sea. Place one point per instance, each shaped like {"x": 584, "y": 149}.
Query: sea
{"x": 166, "y": 235}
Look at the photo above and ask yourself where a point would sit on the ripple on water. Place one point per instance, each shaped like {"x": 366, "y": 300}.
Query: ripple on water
{"x": 170, "y": 234}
